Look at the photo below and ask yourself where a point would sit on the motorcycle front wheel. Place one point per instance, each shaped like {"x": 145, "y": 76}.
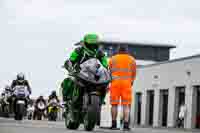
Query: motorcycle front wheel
{"x": 20, "y": 111}
{"x": 71, "y": 121}
{"x": 53, "y": 114}
{"x": 29, "y": 117}
{"x": 39, "y": 116}
{"x": 92, "y": 113}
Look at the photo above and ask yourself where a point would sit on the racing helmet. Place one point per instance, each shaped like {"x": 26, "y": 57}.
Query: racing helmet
{"x": 20, "y": 76}
{"x": 53, "y": 93}
{"x": 91, "y": 41}
{"x": 41, "y": 97}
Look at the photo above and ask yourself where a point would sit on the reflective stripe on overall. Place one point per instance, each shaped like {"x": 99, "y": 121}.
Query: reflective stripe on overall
{"x": 122, "y": 73}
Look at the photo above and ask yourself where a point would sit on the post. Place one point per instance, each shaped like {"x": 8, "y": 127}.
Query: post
{"x": 144, "y": 109}
{"x": 191, "y": 102}
{"x": 156, "y": 118}
{"x": 171, "y": 107}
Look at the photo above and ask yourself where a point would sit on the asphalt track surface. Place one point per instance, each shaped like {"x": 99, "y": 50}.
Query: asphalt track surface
{"x": 27, "y": 126}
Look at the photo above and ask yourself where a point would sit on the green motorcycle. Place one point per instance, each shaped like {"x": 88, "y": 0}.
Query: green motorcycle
{"x": 89, "y": 85}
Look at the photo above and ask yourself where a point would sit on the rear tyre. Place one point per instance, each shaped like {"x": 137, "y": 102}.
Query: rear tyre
{"x": 92, "y": 113}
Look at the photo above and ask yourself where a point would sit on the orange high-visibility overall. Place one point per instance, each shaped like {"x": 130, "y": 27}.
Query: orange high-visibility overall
{"x": 123, "y": 69}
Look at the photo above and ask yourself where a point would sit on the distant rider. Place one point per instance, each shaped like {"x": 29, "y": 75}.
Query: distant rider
{"x": 21, "y": 81}
{"x": 38, "y": 100}
{"x": 52, "y": 96}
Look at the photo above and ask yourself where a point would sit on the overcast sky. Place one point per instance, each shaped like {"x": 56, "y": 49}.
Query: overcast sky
{"x": 36, "y": 36}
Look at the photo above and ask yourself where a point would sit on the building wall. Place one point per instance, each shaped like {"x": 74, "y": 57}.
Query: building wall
{"x": 168, "y": 76}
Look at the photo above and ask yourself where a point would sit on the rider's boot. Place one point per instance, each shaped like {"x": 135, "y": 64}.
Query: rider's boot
{"x": 67, "y": 86}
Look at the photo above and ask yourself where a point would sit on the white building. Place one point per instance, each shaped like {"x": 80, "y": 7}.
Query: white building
{"x": 160, "y": 88}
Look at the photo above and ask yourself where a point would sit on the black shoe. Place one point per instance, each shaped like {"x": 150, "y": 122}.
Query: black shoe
{"x": 98, "y": 122}
{"x": 114, "y": 125}
{"x": 103, "y": 103}
{"x": 114, "y": 128}
{"x": 126, "y": 126}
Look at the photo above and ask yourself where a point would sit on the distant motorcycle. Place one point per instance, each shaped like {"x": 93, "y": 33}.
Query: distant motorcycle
{"x": 39, "y": 110}
{"x": 4, "y": 106}
{"x": 21, "y": 93}
{"x": 30, "y": 112}
{"x": 53, "y": 108}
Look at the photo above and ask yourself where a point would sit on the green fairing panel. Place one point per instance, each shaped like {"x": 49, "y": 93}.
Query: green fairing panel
{"x": 104, "y": 61}
{"x": 74, "y": 56}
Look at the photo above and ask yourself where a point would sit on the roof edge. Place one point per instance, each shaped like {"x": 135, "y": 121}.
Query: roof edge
{"x": 135, "y": 43}
{"x": 140, "y": 43}
{"x": 171, "y": 61}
